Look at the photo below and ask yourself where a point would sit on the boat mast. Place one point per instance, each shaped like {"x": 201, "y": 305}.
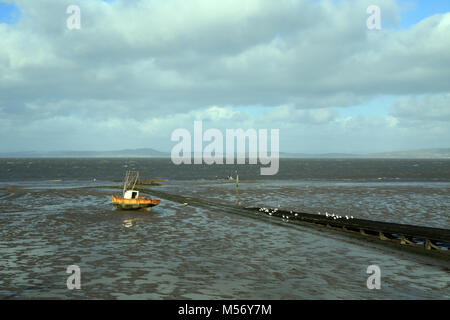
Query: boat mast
{"x": 136, "y": 177}
{"x": 125, "y": 182}
{"x": 130, "y": 180}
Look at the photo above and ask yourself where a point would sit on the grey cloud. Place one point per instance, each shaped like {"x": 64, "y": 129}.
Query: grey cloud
{"x": 204, "y": 53}
{"x": 151, "y": 62}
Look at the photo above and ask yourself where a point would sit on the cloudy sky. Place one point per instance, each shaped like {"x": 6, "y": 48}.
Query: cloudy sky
{"x": 137, "y": 70}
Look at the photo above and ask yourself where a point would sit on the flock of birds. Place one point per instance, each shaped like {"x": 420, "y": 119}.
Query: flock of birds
{"x": 273, "y": 211}
{"x": 333, "y": 216}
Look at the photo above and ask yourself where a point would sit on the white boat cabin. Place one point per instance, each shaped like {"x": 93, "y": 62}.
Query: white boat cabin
{"x": 131, "y": 194}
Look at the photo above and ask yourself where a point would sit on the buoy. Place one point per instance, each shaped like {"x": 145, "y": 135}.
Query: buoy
{"x": 185, "y": 204}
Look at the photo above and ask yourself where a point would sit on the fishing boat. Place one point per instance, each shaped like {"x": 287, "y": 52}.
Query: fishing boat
{"x": 131, "y": 200}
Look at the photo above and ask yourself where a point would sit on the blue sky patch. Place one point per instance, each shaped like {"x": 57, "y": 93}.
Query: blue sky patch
{"x": 415, "y": 11}
{"x": 9, "y": 13}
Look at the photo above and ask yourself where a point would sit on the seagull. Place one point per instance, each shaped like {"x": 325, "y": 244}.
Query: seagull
{"x": 346, "y": 217}
{"x": 296, "y": 214}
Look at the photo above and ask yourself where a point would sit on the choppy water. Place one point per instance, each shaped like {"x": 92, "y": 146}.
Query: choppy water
{"x": 52, "y": 215}
{"x": 289, "y": 169}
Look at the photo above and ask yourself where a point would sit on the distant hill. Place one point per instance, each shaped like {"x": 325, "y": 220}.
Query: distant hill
{"x": 443, "y": 153}
{"x": 318, "y": 155}
{"x": 127, "y": 153}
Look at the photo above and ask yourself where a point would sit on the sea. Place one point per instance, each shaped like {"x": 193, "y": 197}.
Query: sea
{"x": 56, "y": 213}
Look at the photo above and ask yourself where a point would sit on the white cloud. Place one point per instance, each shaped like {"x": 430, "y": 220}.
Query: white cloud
{"x": 428, "y": 107}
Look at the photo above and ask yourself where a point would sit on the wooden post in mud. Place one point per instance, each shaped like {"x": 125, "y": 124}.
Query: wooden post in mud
{"x": 382, "y": 236}
{"x": 430, "y": 245}
{"x": 404, "y": 240}
{"x": 237, "y": 187}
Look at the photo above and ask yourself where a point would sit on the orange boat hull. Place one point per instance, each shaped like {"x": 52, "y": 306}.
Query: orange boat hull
{"x": 134, "y": 204}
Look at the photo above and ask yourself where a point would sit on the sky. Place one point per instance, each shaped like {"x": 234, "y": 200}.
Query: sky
{"x": 137, "y": 70}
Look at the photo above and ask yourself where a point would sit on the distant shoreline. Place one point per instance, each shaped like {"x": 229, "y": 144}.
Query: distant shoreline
{"x": 436, "y": 153}
{"x": 281, "y": 157}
